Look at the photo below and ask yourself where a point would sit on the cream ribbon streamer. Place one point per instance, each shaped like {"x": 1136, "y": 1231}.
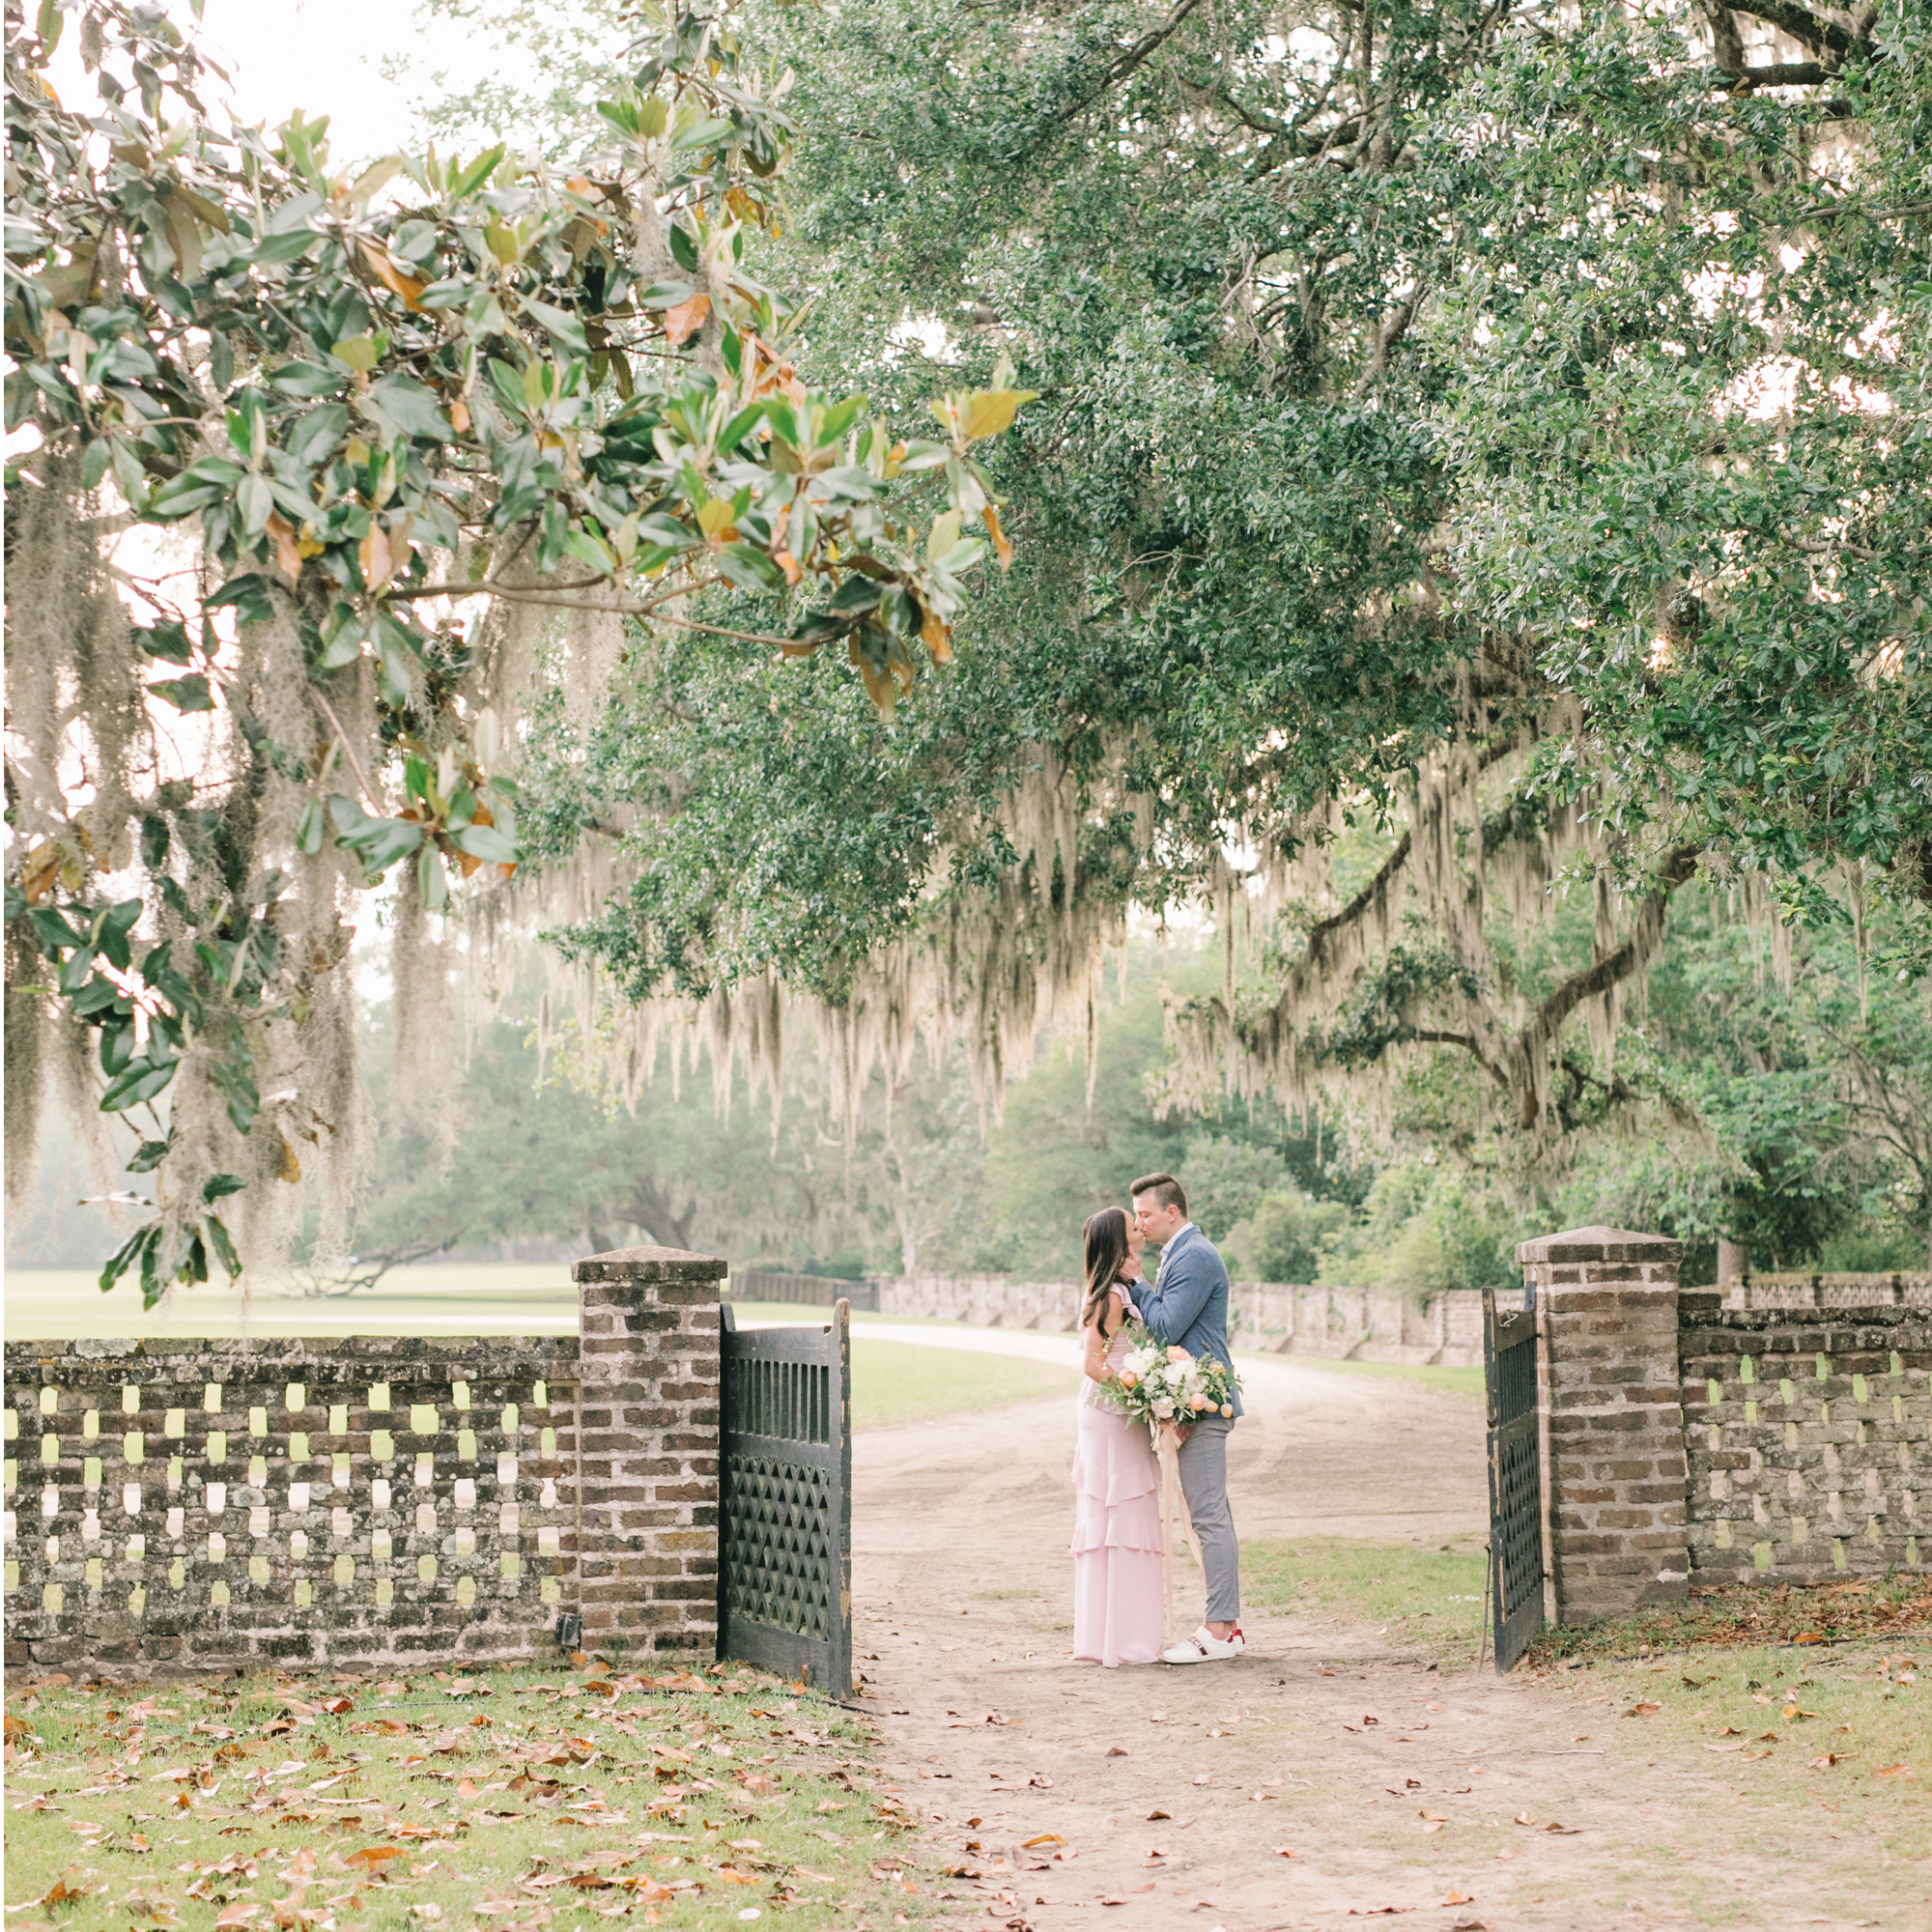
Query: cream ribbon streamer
{"x": 1173, "y": 1504}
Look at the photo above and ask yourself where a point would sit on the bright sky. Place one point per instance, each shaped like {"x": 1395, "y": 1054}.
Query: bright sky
{"x": 323, "y": 56}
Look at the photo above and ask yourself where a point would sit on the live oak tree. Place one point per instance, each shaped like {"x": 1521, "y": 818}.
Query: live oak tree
{"x": 1506, "y": 424}
{"x": 302, "y": 448}
{"x": 1494, "y": 430}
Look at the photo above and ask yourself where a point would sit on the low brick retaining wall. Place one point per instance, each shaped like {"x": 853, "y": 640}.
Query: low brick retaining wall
{"x": 816, "y": 1291}
{"x": 1809, "y": 1441}
{"x": 1830, "y": 1290}
{"x": 1340, "y": 1324}
{"x": 1693, "y": 1438}
{"x": 221, "y": 1504}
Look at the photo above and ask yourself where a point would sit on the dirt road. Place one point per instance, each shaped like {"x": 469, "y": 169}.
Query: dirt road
{"x": 1320, "y": 1777}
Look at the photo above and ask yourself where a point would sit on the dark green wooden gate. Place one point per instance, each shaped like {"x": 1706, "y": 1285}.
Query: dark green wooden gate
{"x": 784, "y": 1539}
{"x": 1515, "y": 1478}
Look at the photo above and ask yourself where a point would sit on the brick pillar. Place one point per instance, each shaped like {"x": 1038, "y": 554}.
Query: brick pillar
{"x": 1617, "y": 1480}
{"x": 647, "y": 1443}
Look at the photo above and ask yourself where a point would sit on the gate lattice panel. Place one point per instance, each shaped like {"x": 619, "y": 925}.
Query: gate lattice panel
{"x": 1515, "y": 1478}
{"x": 785, "y": 1570}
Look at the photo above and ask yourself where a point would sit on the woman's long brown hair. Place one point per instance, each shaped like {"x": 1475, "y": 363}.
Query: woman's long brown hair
{"x": 1106, "y": 1255}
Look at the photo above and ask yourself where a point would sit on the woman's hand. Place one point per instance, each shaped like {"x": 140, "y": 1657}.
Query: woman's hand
{"x": 1130, "y": 1268}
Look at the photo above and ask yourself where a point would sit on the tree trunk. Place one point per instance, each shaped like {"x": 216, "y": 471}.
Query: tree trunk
{"x": 1733, "y": 1261}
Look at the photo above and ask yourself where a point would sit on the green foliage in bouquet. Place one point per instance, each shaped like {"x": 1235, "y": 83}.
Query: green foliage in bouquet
{"x": 1162, "y": 1385}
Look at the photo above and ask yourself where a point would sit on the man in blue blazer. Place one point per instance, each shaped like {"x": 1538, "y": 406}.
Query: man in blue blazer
{"x": 1188, "y": 1306}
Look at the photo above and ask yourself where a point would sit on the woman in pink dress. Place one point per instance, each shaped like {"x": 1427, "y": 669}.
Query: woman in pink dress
{"x": 1117, "y": 1573}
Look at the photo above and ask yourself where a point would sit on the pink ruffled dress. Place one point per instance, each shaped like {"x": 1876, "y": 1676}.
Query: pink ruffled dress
{"x": 1117, "y": 1575}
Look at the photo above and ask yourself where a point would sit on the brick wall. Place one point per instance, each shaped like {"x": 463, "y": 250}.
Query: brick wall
{"x": 1614, "y": 1469}
{"x": 647, "y": 1548}
{"x": 1272, "y": 1318}
{"x": 369, "y": 1502}
{"x": 1809, "y": 1441}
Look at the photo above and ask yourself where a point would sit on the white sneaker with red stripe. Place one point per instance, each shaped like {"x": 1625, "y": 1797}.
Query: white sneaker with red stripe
{"x": 1203, "y": 1647}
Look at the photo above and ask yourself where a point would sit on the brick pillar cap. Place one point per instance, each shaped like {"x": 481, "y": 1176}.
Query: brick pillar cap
{"x": 1598, "y": 1244}
{"x": 651, "y": 1264}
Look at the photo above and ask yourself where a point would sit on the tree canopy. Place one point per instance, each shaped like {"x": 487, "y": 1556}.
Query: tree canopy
{"x": 1472, "y": 491}
{"x": 364, "y": 415}
{"x": 1506, "y": 426}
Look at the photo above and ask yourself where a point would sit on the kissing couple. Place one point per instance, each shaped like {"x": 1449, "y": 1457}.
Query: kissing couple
{"x": 1119, "y": 1574}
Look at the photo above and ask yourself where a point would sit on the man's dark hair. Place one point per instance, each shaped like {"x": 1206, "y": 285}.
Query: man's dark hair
{"x": 1165, "y": 1189}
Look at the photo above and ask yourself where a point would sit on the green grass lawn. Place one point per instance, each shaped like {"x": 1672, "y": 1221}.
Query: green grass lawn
{"x": 903, "y": 1381}
{"x": 489, "y": 1298}
{"x": 891, "y": 1381}
{"x": 447, "y": 1802}
{"x": 1452, "y": 1378}
{"x": 1426, "y": 1595}
{"x": 1843, "y": 1728}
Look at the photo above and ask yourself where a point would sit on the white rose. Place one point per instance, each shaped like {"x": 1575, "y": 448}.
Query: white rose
{"x": 1163, "y": 1408}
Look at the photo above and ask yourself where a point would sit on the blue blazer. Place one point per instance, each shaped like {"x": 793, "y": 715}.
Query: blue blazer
{"x": 1188, "y": 1304}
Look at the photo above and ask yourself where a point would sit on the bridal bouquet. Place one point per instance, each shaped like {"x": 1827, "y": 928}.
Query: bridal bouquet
{"x": 1161, "y": 1385}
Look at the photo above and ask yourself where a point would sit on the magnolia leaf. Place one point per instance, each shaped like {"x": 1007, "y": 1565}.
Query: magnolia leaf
{"x": 684, "y": 320}
{"x": 307, "y": 379}
{"x": 989, "y": 411}
{"x": 278, "y": 250}
{"x": 311, "y": 832}
{"x": 409, "y": 287}
{"x": 142, "y": 1080}
{"x": 560, "y": 323}
{"x": 360, "y": 352}
{"x": 406, "y": 408}
{"x": 288, "y": 552}
{"x": 257, "y": 502}
{"x": 217, "y": 1233}
{"x": 377, "y": 175}
{"x": 1002, "y": 548}
{"x": 751, "y": 568}
{"x": 487, "y": 843}
{"x": 185, "y": 694}
{"x": 468, "y": 181}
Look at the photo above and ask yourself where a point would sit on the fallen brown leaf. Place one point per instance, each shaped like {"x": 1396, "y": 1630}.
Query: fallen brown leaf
{"x": 66, "y": 1889}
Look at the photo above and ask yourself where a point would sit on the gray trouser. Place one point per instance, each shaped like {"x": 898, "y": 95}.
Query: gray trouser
{"x": 1204, "y": 1480}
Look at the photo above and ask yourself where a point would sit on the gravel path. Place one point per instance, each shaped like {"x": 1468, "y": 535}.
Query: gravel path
{"x": 1157, "y": 1796}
